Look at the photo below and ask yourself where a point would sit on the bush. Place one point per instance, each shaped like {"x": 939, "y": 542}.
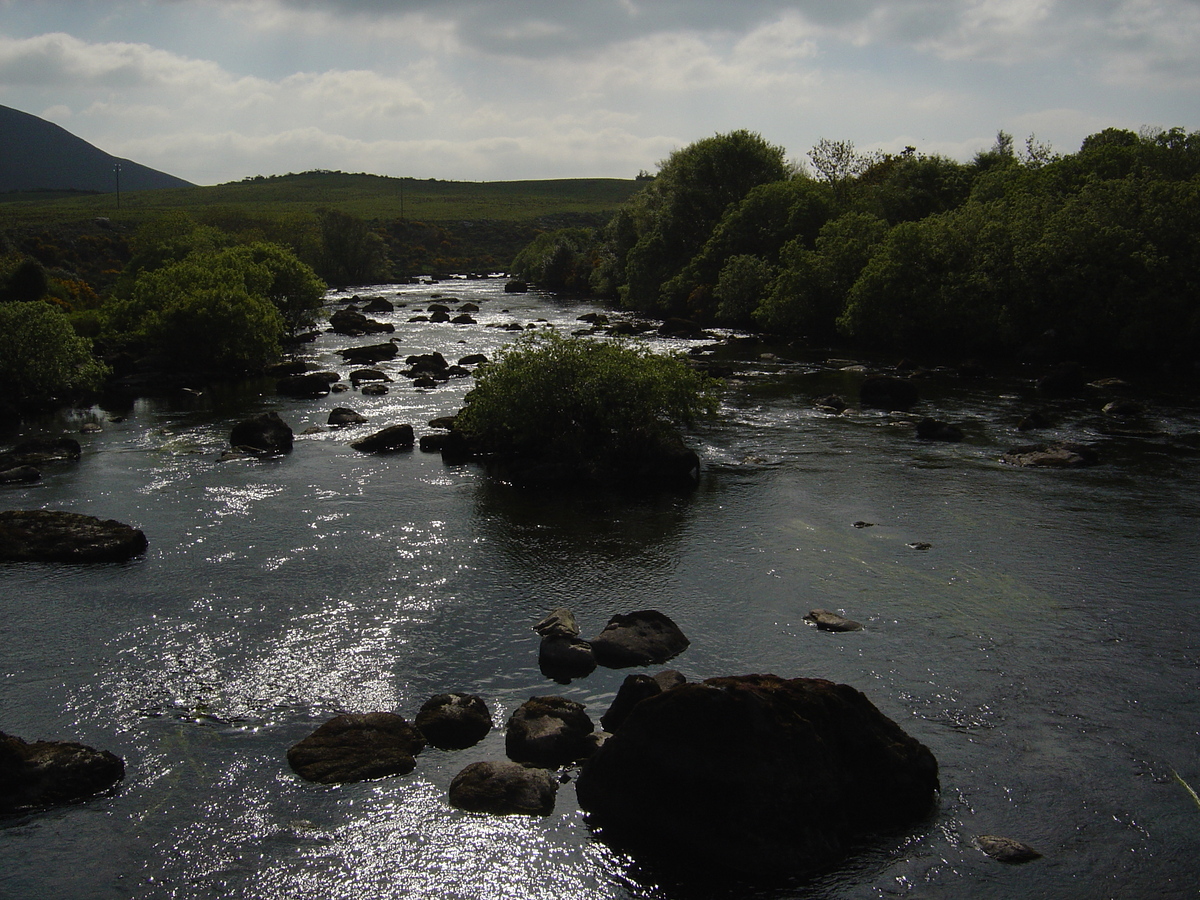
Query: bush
{"x": 41, "y": 356}
{"x": 584, "y": 404}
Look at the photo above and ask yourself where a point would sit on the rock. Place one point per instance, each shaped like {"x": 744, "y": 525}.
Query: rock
{"x": 560, "y": 622}
{"x": 834, "y": 403}
{"x": 351, "y": 322}
{"x": 1067, "y": 455}
{"x": 42, "y": 535}
{"x": 920, "y": 545}
{"x": 634, "y": 689}
{"x": 20, "y": 475}
{"x": 379, "y": 305}
{"x": 468, "y": 308}
{"x": 359, "y": 376}
{"x": 935, "y": 430}
{"x": 1035, "y": 420}
{"x": 504, "y": 788}
{"x": 1124, "y": 409}
{"x": 394, "y": 437}
{"x": 562, "y": 657}
{"x": 286, "y": 368}
{"x": 516, "y": 287}
{"x": 755, "y": 776}
{"x": 369, "y": 354}
{"x": 831, "y": 621}
{"x": 1006, "y": 849}
{"x": 888, "y": 392}
{"x": 434, "y": 443}
{"x": 45, "y": 773}
{"x": 473, "y": 359}
{"x": 374, "y": 389}
{"x": 454, "y": 721}
{"x": 39, "y": 451}
{"x": 439, "y": 317}
{"x": 638, "y": 639}
{"x": 341, "y": 416}
{"x": 463, "y": 319}
{"x": 306, "y": 386}
{"x": 549, "y": 732}
{"x": 357, "y": 747}
{"x": 265, "y": 433}
{"x": 681, "y": 328}
{"x": 426, "y": 363}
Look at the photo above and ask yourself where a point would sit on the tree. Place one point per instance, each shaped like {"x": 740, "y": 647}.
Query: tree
{"x": 741, "y": 285}
{"x": 351, "y": 253}
{"x": 42, "y": 359}
{"x": 838, "y": 163}
{"x": 558, "y": 260}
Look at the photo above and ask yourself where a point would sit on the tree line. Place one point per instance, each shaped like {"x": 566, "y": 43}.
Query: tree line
{"x": 1093, "y": 255}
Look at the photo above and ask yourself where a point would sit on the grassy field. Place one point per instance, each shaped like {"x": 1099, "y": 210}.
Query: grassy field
{"x": 366, "y": 196}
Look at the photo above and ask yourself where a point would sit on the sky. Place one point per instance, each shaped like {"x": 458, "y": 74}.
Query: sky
{"x": 484, "y": 90}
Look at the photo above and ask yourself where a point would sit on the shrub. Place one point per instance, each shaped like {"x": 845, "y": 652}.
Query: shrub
{"x": 41, "y": 356}
{"x": 582, "y": 403}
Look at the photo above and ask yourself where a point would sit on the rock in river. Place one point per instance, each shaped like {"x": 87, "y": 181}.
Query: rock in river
{"x": 43, "y": 535}
{"x": 831, "y": 621}
{"x": 394, "y": 437}
{"x": 755, "y": 776}
{"x": 48, "y": 772}
{"x": 357, "y": 747}
{"x": 454, "y": 721}
{"x": 638, "y": 639}
{"x": 504, "y": 788}
{"x": 265, "y": 433}
{"x": 549, "y": 732}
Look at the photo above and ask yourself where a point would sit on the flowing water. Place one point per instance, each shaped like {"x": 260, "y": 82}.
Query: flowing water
{"x": 1042, "y": 644}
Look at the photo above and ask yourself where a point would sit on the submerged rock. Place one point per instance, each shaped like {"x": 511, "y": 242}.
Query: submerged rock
{"x": 639, "y": 638}
{"x": 831, "y": 621}
{"x": 38, "y": 451}
{"x": 46, "y": 773}
{"x": 755, "y": 776}
{"x": 357, "y": 747}
{"x": 20, "y": 475}
{"x": 936, "y": 430}
{"x": 43, "y": 535}
{"x": 1067, "y": 455}
{"x": 504, "y": 788}
{"x": 454, "y": 721}
{"x": 1006, "y": 849}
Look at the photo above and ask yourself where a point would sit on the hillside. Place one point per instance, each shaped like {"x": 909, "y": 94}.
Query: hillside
{"x": 36, "y": 155}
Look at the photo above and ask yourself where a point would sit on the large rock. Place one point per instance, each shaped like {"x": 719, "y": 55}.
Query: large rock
{"x": 641, "y": 638}
{"x": 504, "y": 788}
{"x": 549, "y": 732}
{"x": 43, "y": 535}
{"x": 304, "y": 387}
{"x": 38, "y": 451}
{"x": 454, "y": 721}
{"x": 357, "y": 747}
{"x": 562, "y": 655}
{"x": 888, "y": 392}
{"x": 394, "y": 437}
{"x": 755, "y": 776}
{"x": 45, "y": 773}
{"x": 370, "y": 354}
{"x": 20, "y": 475}
{"x": 351, "y": 322}
{"x": 341, "y": 416}
{"x": 265, "y": 433}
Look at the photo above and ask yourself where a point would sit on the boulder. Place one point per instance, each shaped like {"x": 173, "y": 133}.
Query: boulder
{"x": 473, "y": 359}
{"x": 634, "y": 689}
{"x": 549, "y": 732}
{"x": 504, "y": 788}
{"x": 286, "y": 368}
{"x": 562, "y": 657}
{"x": 357, "y": 747}
{"x": 426, "y": 364}
{"x": 360, "y": 376}
{"x": 378, "y": 305}
{"x": 374, "y": 389}
{"x": 1066, "y": 381}
{"x": 45, "y": 773}
{"x": 20, "y": 475}
{"x": 340, "y": 416}
{"x": 454, "y": 721}
{"x": 307, "y": 386}
{"x": 353, "y": 323}
{"x": 43, "y": 535}
{"x": 560, "y": 622}
{"x": 1067, "y": 455}
{"x": 463, "y": 319}
{"x": 831, "y": 621}
{"x": 935, "y": 430}
{"x": 681, "y": 328}
{"x": 1006, "y": 849}
{"x": 641, "y": 638}
{"x": 394, "y": 437}
{"x": 369, "y": 354}
{"x": 516, "y": 287}
{"x": 39, "y": 451}
{"x": 834, "y": 403}
{"x": 888, "y": 392}
{"x": 755, "y": 776}
{"x": 265, "y": 433}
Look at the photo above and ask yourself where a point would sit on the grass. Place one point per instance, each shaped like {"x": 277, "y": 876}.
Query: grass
{"x": 366, "y": 196}
{"x": 1187, "y": 787}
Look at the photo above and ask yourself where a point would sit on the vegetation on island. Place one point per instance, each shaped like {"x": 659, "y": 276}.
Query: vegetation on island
{"x": 1093, "y": 255}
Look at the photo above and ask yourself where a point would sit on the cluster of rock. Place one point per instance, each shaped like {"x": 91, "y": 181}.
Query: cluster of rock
{"x": 643, "y": 638}
{"x": 23, "y": 463}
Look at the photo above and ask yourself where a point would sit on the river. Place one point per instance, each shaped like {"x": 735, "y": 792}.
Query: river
{"x": 1034, "y": 628}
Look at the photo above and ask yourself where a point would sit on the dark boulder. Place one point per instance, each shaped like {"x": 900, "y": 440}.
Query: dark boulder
{"x": 935, "y": 430}
{"x": 357, "y": 747}
{"x": 39, "y": 451}
{"x": 265, "y": 433}
{"x": 681, "y": 328}
{"x": 516, "y": 287}
{"x": 504, "y": 788}
{"x": 378, "y": 305}
{"x": 833, "y": 403}
{"x": 463, "y": 319}
{"x": 45, "y": 773}
{"x": 286, "y": 368}
{"x": 20, "y": 475}
{"x": 562, "y": 655}
{"x": 369, "y": 354}
{"x": 634, "y": 689}
{"x": 641, "y": 638}
{"x": 439, "y": 317}
{"x": 426, "y": 364}
{"x": 473, "y": 359}
{"x": 549, "y": 732}
{"x": 394, "y": 437}
{"x": 755, "y": 776}
{"x": 888, "y": 392}
{"x": 831, "y": 621}
{"x": 434, "y": 443}
{"x": 353, "y": 323}
{"x": 361, "y": 376}
{"x": 307, "y": 386}
{"x": 341, "y": 416}
{"x": 43, "y": 535}
{"x": 374, "y": 389}
{"x": 454, "y": 721}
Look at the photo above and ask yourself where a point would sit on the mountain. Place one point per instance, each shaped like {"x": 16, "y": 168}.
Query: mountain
{"x": 38, "y": 155}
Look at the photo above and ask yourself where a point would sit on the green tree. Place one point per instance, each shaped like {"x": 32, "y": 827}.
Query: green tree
{"x": 558, "y": 260}
{"x": 294, "y": 288}
{"x": 740, "y": 287}
{"x": 42, "y": 359}
{"x": 351, "y": 253}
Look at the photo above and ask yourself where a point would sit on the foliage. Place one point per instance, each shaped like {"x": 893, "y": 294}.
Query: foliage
{"x": 558, "y": 260}
{"x": 580, "y": 402}
{"x": 294, "y": 288}
{"x": 41, "y": 356}
{"x": 26, "y": 280}
{"x": 740, "y": 286}
{"x": 351, "y": 253}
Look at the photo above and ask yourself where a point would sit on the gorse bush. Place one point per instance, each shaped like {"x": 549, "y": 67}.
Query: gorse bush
{"x": 581, "y": 402}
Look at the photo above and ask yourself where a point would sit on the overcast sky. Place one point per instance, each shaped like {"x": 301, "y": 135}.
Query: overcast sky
{"x": 217, "y": 90}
